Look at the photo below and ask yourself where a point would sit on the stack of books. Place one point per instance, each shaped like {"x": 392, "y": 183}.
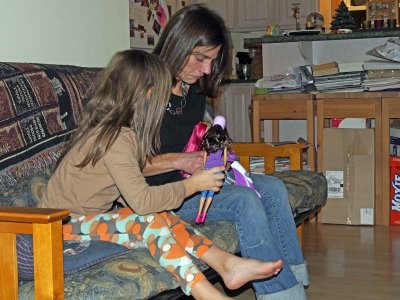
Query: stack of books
{"x": 257, "y": 164}
{"x": 334, "y": 77}
{"x": 281, "y": 164}
{"x": 382, "y": 75}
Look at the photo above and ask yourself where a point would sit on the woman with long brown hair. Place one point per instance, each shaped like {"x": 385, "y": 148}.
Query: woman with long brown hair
{"x": 197, "y": 48}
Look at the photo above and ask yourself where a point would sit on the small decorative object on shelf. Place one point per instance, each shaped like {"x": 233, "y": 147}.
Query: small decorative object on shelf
{"x": 315, "y": 21}
{"x": 381, "y": 11}
{"x": 342, "y": 19}
{"x": 274, "y": 30}
{"x": 366, "y": 24}
{"x": 296, "y": 14}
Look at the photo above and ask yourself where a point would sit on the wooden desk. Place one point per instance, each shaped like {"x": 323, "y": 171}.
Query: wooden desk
{"x": 277, "y": 107}
{"x": 355, "y": 105}
{"x": 390, "y": 110}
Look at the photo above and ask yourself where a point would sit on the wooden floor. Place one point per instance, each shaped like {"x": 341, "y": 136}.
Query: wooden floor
{"x": 350, "y": 262}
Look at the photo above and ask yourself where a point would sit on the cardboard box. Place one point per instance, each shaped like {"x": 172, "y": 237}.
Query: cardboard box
{"x": 349, "y": 123}
{"x": 324, "y": 69}
{"x": 349, "y": 166}
{"x": 394, "y": 190}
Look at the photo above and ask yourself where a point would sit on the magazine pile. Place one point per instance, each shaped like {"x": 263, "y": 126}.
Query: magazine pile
{"x": 338, "y": 77}
{"x": 383, "y": 72}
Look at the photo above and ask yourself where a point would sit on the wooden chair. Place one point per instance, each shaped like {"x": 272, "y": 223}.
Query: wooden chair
{"x": 270, "y": 152}
{"x": 45, "y": 225}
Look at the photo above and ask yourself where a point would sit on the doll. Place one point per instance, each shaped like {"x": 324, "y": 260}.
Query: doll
{"x": 194, "y": 143}
{"x": 216, "y": 144}
{"x": 239, "y": 175}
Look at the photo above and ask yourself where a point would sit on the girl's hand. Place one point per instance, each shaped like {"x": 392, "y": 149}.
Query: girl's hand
{"x": 202, "y": 180}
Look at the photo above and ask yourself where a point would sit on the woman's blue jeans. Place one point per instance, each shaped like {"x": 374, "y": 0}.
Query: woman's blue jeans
{"x": 265, "y": 227}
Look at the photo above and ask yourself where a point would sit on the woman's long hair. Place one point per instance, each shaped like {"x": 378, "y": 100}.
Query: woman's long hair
{"x": 132, "y": 91}
{"x": 190, "y": 27}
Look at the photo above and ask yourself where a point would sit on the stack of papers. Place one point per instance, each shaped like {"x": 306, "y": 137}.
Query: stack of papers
{"x": 257, "y": 165}
{"x": 280, "y": 83}
{"x": 381, "y": 65}
{"x": 383, "y": 84}
{"x": 340, "y": 82}
{"x": 281, "y": 164}
{"x": 382, "y": 75}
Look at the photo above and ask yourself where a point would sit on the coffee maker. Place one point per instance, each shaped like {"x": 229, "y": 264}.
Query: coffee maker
{"x": 243, "y": 62}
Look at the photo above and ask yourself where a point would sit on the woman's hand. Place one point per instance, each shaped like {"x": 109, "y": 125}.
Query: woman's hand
{"x": 205, "y": 180}
{"x": 189, "y": 162}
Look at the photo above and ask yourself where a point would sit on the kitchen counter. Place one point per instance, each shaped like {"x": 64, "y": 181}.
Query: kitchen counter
{"x": 229, "y": 81}
{"x": 280, "y": 54}
{"x": 359, "y": 34}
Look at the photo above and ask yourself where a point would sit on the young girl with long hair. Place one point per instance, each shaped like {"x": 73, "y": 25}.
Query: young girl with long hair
{"x": 103, "y": 162}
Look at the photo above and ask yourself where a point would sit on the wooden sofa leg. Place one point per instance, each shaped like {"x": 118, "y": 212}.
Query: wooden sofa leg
{"x": 47, "y": 245}
{"x": 8, "y": 270}
{"x": 299, "y": 231}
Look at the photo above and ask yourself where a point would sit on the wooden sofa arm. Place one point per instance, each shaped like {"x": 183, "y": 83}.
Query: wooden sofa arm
{"x": 270, "y": 153}
{"x": 45, "y": 225}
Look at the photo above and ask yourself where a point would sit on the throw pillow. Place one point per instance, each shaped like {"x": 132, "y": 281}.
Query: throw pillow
{"x": 78, "y": 255}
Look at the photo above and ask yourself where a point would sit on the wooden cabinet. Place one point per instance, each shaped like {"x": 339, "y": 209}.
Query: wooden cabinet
{"x": 234, "y": 102}
{"x": 225, "y": 8}
{"x": 255, "y": 15}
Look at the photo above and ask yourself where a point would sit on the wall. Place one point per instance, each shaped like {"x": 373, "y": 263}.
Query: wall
{"x": 238, "y": 39}
{"x": 78, "y": 32}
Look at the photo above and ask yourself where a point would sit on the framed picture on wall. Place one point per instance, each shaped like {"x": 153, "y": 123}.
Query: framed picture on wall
{"x": 147, "y": 19}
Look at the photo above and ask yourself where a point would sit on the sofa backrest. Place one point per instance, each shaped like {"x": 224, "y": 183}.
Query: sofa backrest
{"x": 40, "y": 105}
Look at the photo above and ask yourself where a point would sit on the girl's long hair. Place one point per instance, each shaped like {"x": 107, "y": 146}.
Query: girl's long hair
{"x": 190, "y": 27}
{"x": 132, "y": 91}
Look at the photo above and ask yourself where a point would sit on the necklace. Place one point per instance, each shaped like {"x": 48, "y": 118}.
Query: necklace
{"x": 178, "y": 110}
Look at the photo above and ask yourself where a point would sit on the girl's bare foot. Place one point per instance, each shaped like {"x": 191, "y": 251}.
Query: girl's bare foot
{"x": 205, "y": 290}
{"x": 243, "y": 270}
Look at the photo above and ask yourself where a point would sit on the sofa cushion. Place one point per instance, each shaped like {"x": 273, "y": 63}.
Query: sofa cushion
{"x": 26, "y": 191}
{"x": 78, "y": 255}
{"x": 134, "y": 275}
{"x": 306, "y": 189}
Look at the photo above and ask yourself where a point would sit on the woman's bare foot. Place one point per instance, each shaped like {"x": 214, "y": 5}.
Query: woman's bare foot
{"x": 242, "y": 270}
{"x": 205, "y": 290}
